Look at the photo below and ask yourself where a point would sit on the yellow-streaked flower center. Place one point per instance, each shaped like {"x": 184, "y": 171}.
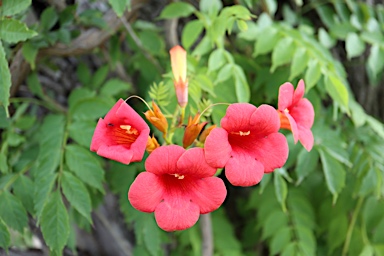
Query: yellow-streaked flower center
{"x": 178, "y": 176}
{"x": 241, "y": 133}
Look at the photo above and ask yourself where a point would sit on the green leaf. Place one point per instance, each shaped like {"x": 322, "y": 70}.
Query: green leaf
{"x": 191, "y": 33}
{"x": 14, "y": 31}
{"x": 210, "y": 7}
{"x": 82, "y": 131}
{"x": 224, "y": 73}
{"x": 12, "y": 7}
{"x": 177, "y": 10}
{"x": 3, "y": 163}
{"x": 273, "y": 222}
{"x": 23, "y": 188}
{"x": 375, "y": 60}
{"x": 13, "y": 212}
{"x": 49, "y": 137}
{"x": 160, "y": 93}
{"x": 376, "y": 126}
{"x": 216, "y": 59}
{"x": 281, "y": 189}
{"x": 119, "y": 6}
{"x": 313, "y": 74}
{"x": 151, "y": 235}
{"x": 5, "y": 239}
{"x": 241, "y": 84}
{"x": 299, "y": 62}
{"x": 280, "y": 240}
{"x": 282, "y": 53}
{"x": 81, "y": 162}
{"x": 30, "y": 52}
{"x": 99, "y": 76}
{"x": 77, "y": 195}
{"x": 114, "y": 86}
{"x": 48, "y": 18}
{"x": 357, "y": 113}
{"x": 55, "y": 223}
{"x": 337, "y": 90}
{"x": 266, "y": 41}
{"x": 334, "y": 174}
{"x": 325, "y": 39}
{"x": 34, "y": 85}
{"x": 5, "y": 81}
{"x": 90, "y": 109}
{"x": 354, "y": 45}
{"x": 306, "y": 163}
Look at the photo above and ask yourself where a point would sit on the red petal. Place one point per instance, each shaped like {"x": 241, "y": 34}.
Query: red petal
{"x": 271, "y": 151}
{"x": 294, "y": 129}
{"x": 176, "y": 213}
{"x": 237, "y": 117}
{"x": 265, "y": 120}
{"x": 243, "y": 170}
{"x": 299, "y": 92}
{"x": 286, "y": 91}
{"x": 118, "y": 153}
{"x": 99, "y": 135}
{"x": 217, "y": 148}
{"x": 303, "y": 113}
{"x": 193, "y": 163}
{"x": 138, "y": 147}
{"x": 129, "y": 116}
{"x": 208, "y": 193}
{"x": 163, "y": 160}
{"x": 111, "y": 115}
{"x": 146, "y": 192}
{"x": 306, "y": 138}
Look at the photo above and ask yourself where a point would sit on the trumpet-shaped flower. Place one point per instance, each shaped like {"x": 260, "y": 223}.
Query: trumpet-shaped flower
{"x": 178, "y": 186}
{"x": 248, "y": 144}
{"x": 296, "y": 113}
{"x": 179, "y": 70}
{"x": 122, "y": 135}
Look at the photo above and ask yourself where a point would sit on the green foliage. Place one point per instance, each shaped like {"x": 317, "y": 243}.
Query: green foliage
{"x": 324, "y": 202}
{"x": 54, "y": 221}
{"x": 177, "y": 9}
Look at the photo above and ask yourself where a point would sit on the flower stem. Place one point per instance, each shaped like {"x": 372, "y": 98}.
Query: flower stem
{"x": 352, "y": 225}
{"x": 207, "y": 234}
{"x": 212, "y": 106}
{"x": 138, "y": 97}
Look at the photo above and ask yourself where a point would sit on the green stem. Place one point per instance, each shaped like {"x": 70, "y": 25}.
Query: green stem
{"x": 352, "y": 226}
{"x": 173, "y": 125}
{"x": 63, "y": 146}
{"x": 48, "y": 103}
{"x": 15, "y": 177}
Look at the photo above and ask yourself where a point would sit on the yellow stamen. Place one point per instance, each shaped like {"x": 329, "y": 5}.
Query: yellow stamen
{"x": 128, "y": 129}
{"x": 241, "y": 133}
{"x": 180, "y": 177}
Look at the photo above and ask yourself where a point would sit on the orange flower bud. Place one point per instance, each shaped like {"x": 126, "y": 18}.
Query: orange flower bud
{"x": 284, "y": 122}
{"x": 152, "y": 144}
{"x": 157, "y": 118}
{"x": 192, "y": 130}
{"x": 179, "y": 70}
{"x": 205, "y": 133}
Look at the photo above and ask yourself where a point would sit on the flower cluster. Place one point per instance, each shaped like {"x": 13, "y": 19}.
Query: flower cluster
{"x": 179, "y": 182}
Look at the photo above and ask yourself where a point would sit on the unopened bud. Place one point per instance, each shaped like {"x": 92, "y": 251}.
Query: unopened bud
{"x": 152, "y": 144}
{"x": 179, "y": 70}
{"x": 205, "y": 133}
{"x": 157, "y": 118}
{"x": 192, "y": 130}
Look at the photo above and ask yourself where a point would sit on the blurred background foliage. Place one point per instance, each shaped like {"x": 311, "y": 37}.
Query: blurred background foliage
{"x": 64, "y": 63}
